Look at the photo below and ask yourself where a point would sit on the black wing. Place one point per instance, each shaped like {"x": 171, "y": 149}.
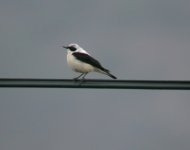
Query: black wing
{"x": 89, "y": 60}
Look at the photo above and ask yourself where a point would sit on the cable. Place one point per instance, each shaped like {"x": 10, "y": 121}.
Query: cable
{"x": 99, "y": 84}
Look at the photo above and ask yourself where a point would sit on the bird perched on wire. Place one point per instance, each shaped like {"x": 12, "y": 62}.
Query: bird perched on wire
{"x": 81, "y": 61}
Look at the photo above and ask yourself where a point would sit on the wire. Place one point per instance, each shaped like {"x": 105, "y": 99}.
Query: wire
{"x": 99, "y": 84}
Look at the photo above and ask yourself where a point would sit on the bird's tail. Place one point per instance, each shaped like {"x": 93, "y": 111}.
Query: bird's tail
{"x": 107, "y": 72}
{"x": 111, "y": 75}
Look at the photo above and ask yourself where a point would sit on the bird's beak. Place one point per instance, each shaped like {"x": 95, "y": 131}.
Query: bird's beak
{"x": 66, "y": 47}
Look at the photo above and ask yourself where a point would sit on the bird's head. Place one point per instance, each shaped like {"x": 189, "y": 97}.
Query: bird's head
{"x": 72, "y": 47}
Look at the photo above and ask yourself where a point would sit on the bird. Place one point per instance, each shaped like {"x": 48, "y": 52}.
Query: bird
{"x": 82, "y": 62}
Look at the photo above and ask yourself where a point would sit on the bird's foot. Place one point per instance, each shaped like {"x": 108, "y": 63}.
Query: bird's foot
{"x": 76, "y": 79}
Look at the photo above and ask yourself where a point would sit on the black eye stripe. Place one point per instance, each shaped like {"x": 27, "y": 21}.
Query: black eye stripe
{"x": 72, "y": 48}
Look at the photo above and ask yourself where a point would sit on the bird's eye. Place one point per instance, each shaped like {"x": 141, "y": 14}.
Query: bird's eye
{"x": 72, "y": 48}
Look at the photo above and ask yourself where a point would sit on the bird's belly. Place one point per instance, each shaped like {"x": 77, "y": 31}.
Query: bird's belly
{"x": 79, "y": 66}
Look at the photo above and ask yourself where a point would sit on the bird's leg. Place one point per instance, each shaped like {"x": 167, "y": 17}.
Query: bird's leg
{"x": 84, "y": 75}
{"x": 82, "y": 80}
{"x": 78, "y": 76}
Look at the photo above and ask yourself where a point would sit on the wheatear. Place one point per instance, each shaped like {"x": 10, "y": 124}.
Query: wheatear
{"x": 81, "y": 61}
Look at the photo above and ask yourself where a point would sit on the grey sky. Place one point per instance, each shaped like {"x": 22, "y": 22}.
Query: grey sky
{"x": 135, "y": 39}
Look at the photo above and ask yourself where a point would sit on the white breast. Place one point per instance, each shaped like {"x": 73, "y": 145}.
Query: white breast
{"x": 77, "y": 65}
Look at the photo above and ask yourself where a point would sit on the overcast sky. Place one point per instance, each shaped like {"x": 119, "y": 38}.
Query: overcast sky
{"x": 135, "y": 39}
